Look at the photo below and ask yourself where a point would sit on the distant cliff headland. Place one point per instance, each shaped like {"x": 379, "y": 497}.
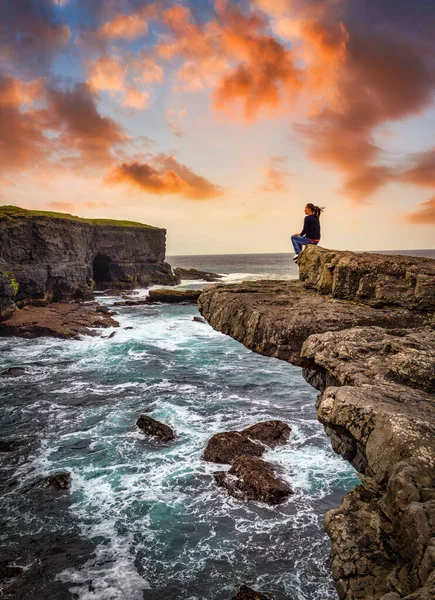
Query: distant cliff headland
{"x": 53, "y": 257}
{"x": 362, "y": 328}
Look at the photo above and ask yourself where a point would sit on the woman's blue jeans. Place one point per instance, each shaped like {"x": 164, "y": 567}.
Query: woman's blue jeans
{"x": 299, "y": 240}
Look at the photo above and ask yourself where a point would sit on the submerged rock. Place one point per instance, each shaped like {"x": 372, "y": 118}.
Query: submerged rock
{"x": 9, "y": 445}
{"x": 247, "y": 593}
{"x": 195, "y": 274}
{"x": 155, "y": 428}
{"x": 199, "y": 320}
{"x": 174, "y": 296}
{"x": 13, "y": 372}
{"x": 57, "y": 481}
{"x": 255, "y": 478}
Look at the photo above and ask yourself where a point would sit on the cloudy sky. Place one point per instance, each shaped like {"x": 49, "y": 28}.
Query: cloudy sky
{"x": 220, "y": 119}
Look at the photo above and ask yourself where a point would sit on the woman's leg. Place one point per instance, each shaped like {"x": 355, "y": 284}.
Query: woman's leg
{"x": 296, "y": 243}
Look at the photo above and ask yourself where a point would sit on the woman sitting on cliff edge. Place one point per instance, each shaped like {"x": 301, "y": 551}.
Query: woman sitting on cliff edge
{"x": 311, "y": 231}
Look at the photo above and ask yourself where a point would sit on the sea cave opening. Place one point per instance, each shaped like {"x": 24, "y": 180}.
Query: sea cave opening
{"x": 102, "y": 269}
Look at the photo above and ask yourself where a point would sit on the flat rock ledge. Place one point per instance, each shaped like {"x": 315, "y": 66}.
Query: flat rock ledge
{"x": 66, "y": 320}
{"x": 362, "y": 327}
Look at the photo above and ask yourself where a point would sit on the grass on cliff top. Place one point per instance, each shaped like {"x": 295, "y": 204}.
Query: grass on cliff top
{"x": 9, "y": 212}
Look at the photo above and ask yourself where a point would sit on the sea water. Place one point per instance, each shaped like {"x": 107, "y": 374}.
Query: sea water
{"x": 143, "y": 519}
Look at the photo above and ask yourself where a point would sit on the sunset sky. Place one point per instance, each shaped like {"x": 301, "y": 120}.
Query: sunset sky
{"x": 220, "y": 120}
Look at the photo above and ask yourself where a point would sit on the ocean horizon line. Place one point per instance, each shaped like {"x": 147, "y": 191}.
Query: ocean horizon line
{"x": 290, "y": 252}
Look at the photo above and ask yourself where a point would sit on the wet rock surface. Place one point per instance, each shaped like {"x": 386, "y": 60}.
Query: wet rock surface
{"x": 57, "y": 481}
{"x": 174, "y": 296}
{"x": 155, "y": 428}
{"x": 13, "y": 372}
{"x": 60, "y": 320}
{"x": 224, "y": 447}
{"x": 191, "y": 274}
{"x": 255, "y": 479}
{"x": 362, "y": 327}
{"x": 247, "y": 593}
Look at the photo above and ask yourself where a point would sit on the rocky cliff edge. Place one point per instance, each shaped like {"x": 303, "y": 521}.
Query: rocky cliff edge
{"x": 362, "y": 327}
{"x": 55, "y": 256}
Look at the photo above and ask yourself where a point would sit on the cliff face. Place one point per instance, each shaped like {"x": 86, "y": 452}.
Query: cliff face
{"x": 56, "y": 257}
{"x": 362, "y": 328}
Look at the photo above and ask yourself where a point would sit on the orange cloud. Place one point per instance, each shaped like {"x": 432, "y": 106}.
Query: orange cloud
{"x": 173, "y": 121}
{"x": 82, "y": 129}
{"x": 422, "y": 172}
{"x": 62, "y": 206}
{"x": 135, "y": 98}
{"x": 276, "y": 176}
{"x": 22, "y": 140}
{"x": 106, "y": 74}
{"x": 164, "y": 176}
{"x": 425, "y": 215}
{"x": 127, "y": 27}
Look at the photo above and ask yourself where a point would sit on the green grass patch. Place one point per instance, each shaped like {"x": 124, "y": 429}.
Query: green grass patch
{"x": 11, "y": 212}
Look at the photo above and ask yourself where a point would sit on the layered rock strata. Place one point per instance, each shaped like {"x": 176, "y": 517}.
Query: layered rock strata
{"x": 54, "y": 256}
{"x": 362, "y": 327}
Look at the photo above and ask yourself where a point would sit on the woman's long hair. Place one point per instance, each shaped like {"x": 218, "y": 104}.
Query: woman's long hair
{"x": 316, "y": 210}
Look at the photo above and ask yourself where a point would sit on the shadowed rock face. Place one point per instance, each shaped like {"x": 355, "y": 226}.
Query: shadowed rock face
{"x": 247, "y": 593}
{"x": 57, "y": 258}
{"x": 362, "y": 327}
{"x": 252, "y": 478}
{"x": 155, "y": 428}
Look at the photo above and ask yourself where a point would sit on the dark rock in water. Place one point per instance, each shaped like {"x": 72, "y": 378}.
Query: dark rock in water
{"x": 9, "y": 445}
{"x": 104, "y": 310}
{"x": 128, "y": 328}
{"x": 155, "y": 428}
{"x": 8, "y": 570}
{"x": 199, "y": 320}
{"x": 256, "y": 479}
{"x": 270, "y": 433}
{"x": 108, "y": 337}
{"x": 174, "y": 296}
{"x": 247, "y": 593}
{"x": 13, "y": 372}
{"x": 132, "y": 303}
{"x": 57, "y": 481}
{"x": 60, "y": 320}
{"x": 224, "y": 447}
{"x": 195, "y": 274}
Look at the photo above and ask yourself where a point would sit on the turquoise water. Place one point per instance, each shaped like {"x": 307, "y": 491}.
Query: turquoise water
{"x": 144, "y": 520}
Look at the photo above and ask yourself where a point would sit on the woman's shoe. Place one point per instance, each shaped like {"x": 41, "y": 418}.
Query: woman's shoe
{"x": 295, "y": 257}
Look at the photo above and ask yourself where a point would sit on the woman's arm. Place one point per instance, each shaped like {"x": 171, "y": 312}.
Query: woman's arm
{"x": 304, "y": 230}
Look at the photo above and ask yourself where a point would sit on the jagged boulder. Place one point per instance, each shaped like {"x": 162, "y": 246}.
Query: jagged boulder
{"x": 224, "y": 447}
{"x": 247, "y": 593}
{"x": 252, "y": 478}
{"x": 155, "y": 428}
{"x": 57, "y": 481}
